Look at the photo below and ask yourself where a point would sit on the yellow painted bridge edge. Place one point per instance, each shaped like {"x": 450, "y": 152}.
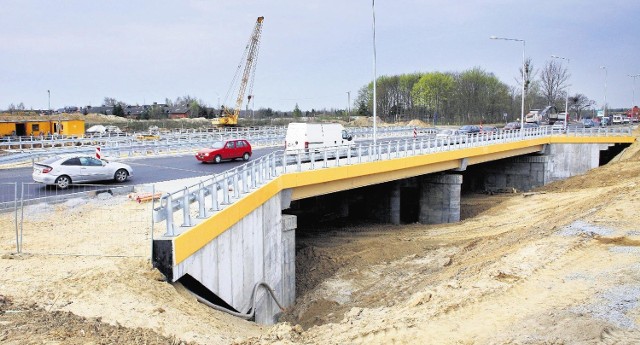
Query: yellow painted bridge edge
{"x": 352, "y": 176}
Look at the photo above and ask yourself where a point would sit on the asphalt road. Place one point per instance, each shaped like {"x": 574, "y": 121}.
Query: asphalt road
{"x": 145, "y": 171}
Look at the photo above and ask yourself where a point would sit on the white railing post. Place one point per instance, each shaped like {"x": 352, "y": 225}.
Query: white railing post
{"x": 245, "y": 179}
{"x": 312, "y": 159}
{"x": 186, "y": 215}
{"x": 202, "y": 213}
{"x": 325, "y": 162}
{"x": 226, "y": 200}
{"x": 214, "y": 196}
{"x": 236, "y": 185}
{"x": 255, "y": 174}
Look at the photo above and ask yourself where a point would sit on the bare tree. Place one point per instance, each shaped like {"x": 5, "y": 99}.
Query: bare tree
{"x": 580, "y": 102}
{"x": 553, "y": 79}
{"x": 529, "y": 75}
{"x": 109, "y": 102}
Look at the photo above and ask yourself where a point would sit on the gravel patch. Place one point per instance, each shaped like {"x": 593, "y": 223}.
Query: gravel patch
{"x": 581, "y": 228}
{"x": 579, "y": 276}
{"x": 613, "y": 305}
{"x": 625, "y": 250}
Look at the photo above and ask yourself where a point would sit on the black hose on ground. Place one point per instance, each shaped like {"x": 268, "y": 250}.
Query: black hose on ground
{"x": 253, "y": 302}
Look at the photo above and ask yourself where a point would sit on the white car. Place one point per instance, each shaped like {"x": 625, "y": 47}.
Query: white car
{"x": 558, "y": 126}
{"x": 62, "y": 171}
{"x": 451, "y": 136}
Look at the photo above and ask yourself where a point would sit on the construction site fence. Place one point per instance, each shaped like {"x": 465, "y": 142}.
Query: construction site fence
{"x": 83, "y": 220}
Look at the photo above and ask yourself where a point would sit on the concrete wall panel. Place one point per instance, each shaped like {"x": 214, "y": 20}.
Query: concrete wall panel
{"x": 225, "y": 288}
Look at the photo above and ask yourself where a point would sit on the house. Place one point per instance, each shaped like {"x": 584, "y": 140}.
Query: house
{"x": 180, "y": 112}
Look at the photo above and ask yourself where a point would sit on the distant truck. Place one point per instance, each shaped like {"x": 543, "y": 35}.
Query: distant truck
{"x": 547, "y": 115}
{"x": 533, "y": 116}
{"x": 306, "y": 137}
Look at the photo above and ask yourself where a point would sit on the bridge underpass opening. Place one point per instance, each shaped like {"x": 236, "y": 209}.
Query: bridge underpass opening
{"x": 607, "y": 155}
{"x": 365, "y": 212}
{"x": 364, "y": 205}
{"x": 323, "y": 227}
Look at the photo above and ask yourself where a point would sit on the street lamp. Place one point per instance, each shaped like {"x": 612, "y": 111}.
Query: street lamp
{"x": 605, "y": 89}
{"x": 373, "y": 11}
{"x": 49, "y": 106}
{"x": 633, "y": 100}
{"x": 349, "y": 106}
{"x": 566, "y": 104}
{"x": 523, "y": 75}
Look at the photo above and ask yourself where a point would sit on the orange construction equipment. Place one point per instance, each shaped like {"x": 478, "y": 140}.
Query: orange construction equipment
{"x": 230, "y": 117}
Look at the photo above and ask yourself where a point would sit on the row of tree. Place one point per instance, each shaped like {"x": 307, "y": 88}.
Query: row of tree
{"x": 471, "y": 96}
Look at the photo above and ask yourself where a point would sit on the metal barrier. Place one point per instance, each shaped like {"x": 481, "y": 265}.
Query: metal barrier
{"x": 85, "y": 220}
{"x": 213, "y": 194}
{"x": 33, "y": 148}
{"x": 9, "y": 218}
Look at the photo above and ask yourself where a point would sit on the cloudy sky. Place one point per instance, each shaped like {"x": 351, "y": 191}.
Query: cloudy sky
{"x": 312, "y": 52}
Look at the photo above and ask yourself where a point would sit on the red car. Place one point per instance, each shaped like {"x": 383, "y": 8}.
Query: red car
{"x": 225, "y": 150}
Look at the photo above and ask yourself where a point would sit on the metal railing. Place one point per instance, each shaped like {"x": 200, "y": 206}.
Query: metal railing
{"x": 196, "y": 202}
{"x": 25, "y": 149}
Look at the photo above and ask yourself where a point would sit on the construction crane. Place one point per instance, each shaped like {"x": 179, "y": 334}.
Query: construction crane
{"x": 229, "y": 117}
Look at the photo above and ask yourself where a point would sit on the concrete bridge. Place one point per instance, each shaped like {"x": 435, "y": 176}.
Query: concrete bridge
{"x": 235, "y": 239}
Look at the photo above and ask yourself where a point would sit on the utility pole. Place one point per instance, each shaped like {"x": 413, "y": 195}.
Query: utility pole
{"x": 373, "y": 11}
{"x": 633, "y": 99}
{"x": 605, "y": 90}
{"x": 349, "y": 106}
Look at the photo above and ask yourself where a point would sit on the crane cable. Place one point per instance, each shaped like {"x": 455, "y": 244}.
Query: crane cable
{"x": 235, "y": 77}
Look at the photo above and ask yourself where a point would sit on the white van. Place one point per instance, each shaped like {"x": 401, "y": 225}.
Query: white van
{"x": 303, "y": 137}
{"x": 617, "y": 119}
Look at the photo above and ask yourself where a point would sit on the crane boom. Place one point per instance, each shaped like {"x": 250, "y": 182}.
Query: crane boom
{"x": 230, "y": 118}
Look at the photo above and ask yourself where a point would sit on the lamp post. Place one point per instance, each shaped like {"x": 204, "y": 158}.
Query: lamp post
{"x": 566, "y": 104}
{"x": 49, "y": 104}
{"x": 523, "y": 75}
{"x": 349, "y": 106}
{"x": 605, "y": 89}
{"x": 633, "y": 99}
{"x": 373, "y": 11}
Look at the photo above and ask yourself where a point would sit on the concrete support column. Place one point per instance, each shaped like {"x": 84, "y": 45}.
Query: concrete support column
{"x": 440, "y": 199}
{"x": 516, "y": 174}
{"x": 343, "y": 210}
{"x": 566, "y": 160}
{"x": 394, "y": 203}
{"x": 525, "y": 173}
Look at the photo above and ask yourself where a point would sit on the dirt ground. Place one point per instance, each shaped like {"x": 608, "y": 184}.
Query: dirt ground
{"x": 560, "y": 265}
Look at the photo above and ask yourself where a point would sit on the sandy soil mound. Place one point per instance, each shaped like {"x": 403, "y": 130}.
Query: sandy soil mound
{"x": 560, "y": 266}
{"x": 363, "y": 121}
{"x": 418, "y": 123}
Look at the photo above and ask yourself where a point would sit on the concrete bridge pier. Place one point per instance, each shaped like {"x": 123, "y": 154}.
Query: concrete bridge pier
{"x": 440, "y": 199}
{"x": 557, "y": 162}
{"x": 394, "y": 203}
